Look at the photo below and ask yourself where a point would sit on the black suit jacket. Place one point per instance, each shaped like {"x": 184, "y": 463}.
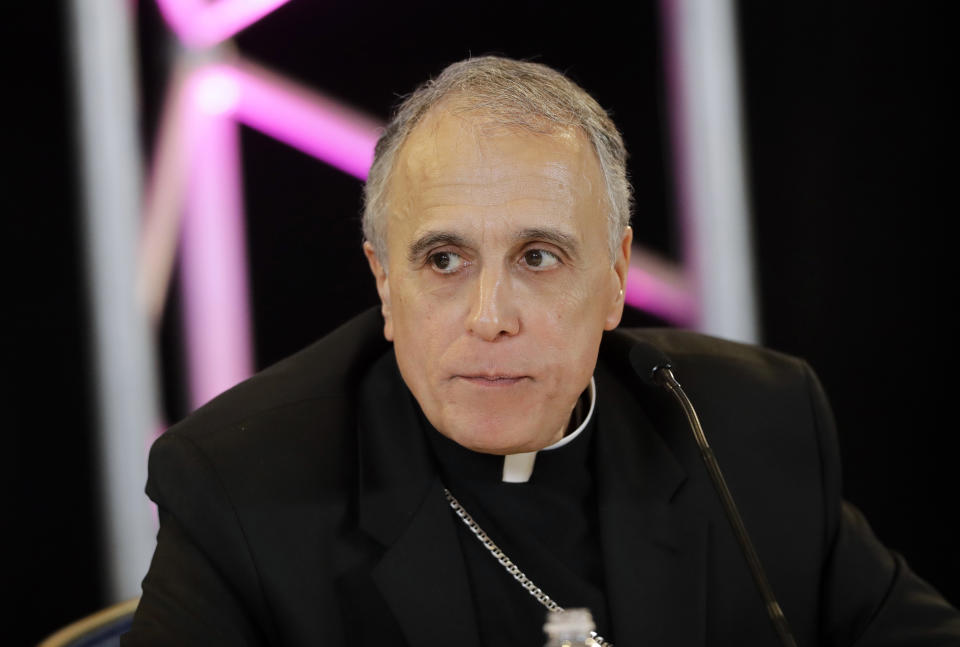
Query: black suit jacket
{"x": 295, "y": 510}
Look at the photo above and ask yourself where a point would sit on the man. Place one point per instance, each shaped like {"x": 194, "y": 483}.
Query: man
{"x": 413, "y": 477}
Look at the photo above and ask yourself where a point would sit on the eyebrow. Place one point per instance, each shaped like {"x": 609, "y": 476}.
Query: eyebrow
{"x": 561, "y": 239}
{"x": 433, "y": 239}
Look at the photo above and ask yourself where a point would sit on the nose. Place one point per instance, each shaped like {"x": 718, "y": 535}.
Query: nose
{"x": 493, "y": 310}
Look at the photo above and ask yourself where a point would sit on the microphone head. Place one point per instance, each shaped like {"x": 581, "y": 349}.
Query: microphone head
{"x": 646, "y": 359}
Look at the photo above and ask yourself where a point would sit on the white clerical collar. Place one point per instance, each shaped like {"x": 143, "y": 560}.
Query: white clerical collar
{"x": 517, "y": 468}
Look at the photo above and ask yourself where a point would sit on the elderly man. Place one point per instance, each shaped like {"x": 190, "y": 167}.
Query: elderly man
{"x": 440, "y": 471}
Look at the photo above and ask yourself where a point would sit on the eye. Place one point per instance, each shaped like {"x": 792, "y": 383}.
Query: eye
{"x": 445, "y": 262}
{"x": 539, "y": 259}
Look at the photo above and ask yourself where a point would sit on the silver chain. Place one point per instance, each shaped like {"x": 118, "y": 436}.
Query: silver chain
{"x": 595, "y": 639}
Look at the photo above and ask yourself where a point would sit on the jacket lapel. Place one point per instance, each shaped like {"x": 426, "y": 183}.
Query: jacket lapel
{"x": 654, "y": 550}
{"x": 401, "y": 504}
{"x": 437, "y": 610}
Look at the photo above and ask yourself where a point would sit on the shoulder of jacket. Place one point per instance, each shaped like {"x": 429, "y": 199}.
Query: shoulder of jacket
{"x": 322, "y": 377}
{"x": 700, "y": 361}
{"x": 688, "y": 348}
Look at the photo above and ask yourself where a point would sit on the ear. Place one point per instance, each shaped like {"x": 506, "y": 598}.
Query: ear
{"x": 383, "y": 288}
{"x": 619, "y": 277}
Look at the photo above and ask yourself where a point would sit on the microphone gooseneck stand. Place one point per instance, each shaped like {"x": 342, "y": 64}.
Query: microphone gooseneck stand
{"x": 643, "y": 357}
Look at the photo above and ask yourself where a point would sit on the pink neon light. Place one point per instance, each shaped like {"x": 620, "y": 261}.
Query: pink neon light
{"x": 201, "y": 24}
{"x": 307, "y": 121}
{"x": 164, "y": 200}
{"x": 660, "y": 294}
{"x": 213, "y": 99}
{"x": 215, "y": 90}
{"x": 213, "y": 249}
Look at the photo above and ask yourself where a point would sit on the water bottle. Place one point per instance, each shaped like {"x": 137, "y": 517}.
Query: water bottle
{"x": 570, "y": 628}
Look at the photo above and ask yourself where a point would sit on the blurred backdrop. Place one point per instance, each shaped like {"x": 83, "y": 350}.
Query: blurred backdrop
{"x": 843, "y": 116}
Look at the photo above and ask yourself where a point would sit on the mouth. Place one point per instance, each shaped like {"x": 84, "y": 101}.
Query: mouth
{"x": 493, "y": 380}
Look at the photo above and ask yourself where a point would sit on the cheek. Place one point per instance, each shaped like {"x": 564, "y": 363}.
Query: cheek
{"x": 406, "y": 305}
{"x": 422, "y": 325}
{"x": 565, "y": 304}
{"x": 567, "y": 324}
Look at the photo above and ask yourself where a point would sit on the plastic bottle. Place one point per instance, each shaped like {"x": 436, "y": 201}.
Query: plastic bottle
{"x": 569, "y": 628}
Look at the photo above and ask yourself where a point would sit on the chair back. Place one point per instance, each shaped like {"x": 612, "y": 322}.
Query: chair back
{"x": 100, "y": 629}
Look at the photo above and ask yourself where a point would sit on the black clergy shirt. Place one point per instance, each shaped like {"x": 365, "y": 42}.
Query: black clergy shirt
{"x": 547, "y": 526}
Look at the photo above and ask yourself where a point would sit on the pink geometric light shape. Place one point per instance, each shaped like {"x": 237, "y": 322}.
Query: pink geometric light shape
{"x": 213, "y": 100}
{"x": 214, "y": 90}
{"x": 308, "y": 121}
{"x": 212, "y": 246}
{"x": 202, "y": 24}
{"x": 164, "y": 197}
{"x": 657, "y": 287}
{"x": 258, "y": 98}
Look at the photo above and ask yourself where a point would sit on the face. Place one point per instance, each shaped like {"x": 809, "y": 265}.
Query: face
{"x": 498, "y": 281}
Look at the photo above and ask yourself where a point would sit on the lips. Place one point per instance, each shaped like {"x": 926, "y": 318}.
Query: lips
{"x": 493, "y": 380}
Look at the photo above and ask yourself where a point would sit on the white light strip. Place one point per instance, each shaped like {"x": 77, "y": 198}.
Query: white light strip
{"x": 703, "y": 79}
{"x": 102, "y": 34}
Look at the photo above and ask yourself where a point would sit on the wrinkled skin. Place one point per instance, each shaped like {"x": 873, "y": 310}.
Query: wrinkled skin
{"x": 498, "y": 281}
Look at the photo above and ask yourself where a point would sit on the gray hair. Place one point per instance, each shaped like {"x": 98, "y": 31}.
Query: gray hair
{"x": 511, "y": 93}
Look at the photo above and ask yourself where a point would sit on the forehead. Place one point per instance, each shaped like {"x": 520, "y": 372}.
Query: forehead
{"x": 454, "y": 160}
{"x": 452, "y": 144}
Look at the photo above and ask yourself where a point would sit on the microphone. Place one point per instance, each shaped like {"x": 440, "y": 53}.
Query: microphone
{"x": 654, "y": 367}
{"x": 646, "y": 359}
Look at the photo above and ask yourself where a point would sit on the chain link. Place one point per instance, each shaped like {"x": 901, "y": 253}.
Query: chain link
{"x": 595, "y": 639}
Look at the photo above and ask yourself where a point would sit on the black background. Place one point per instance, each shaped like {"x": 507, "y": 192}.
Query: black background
{"x": 844, "y": 114}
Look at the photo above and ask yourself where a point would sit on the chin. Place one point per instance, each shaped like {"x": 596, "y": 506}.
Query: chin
{"x": 492, "y": 437}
